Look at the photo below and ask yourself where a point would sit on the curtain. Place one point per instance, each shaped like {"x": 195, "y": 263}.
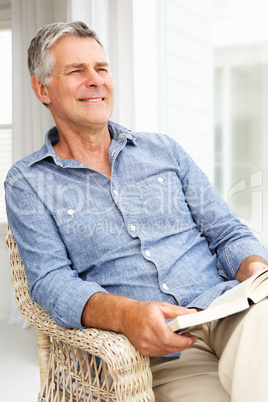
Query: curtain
{"x": 31, "y": 119}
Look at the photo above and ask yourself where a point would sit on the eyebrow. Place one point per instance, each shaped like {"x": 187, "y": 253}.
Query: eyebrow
{"x": 80, "y": 65}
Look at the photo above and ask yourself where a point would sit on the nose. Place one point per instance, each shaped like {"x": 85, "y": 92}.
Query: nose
{"x": 94, "y": 79}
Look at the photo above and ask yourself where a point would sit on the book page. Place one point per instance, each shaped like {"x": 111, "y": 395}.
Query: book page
{"x": 231, "y": 294}
{"x": 259, "y": 288}
{"x": 245, "y": 289}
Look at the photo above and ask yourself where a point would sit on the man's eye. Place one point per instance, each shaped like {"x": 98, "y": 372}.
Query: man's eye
{"x": 76, "y": 71}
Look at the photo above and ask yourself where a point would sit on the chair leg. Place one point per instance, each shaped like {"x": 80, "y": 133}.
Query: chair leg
{"x": 43, "y": 345}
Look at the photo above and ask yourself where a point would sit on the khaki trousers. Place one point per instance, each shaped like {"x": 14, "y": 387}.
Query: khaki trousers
{"x": 229, "y": 362}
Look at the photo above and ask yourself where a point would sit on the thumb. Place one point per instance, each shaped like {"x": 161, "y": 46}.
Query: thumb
{"x": 171, "y": 311}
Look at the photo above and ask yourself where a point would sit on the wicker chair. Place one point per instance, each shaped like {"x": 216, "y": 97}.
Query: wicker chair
{"x": 80, "y": 364}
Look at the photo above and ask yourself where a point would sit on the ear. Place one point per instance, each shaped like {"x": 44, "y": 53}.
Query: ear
{"x": 40, "y": 90}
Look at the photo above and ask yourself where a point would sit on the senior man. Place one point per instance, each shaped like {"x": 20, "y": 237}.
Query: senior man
{"x": 122, "y": 231}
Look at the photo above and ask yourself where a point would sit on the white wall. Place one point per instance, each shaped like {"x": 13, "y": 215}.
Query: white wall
{"x": 186, "y": 44}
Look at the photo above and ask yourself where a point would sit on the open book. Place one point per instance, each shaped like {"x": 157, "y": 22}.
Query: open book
{"x": 232, "y": 301}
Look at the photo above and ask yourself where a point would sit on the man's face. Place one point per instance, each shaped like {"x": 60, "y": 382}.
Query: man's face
{"x": 80, "y": 95}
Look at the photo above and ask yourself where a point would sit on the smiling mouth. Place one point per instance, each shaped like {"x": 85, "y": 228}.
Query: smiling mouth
{"x": 92, "y": 100}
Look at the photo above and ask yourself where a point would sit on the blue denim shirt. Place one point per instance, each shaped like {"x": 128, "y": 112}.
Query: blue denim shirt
{"x": 156, "y": 231}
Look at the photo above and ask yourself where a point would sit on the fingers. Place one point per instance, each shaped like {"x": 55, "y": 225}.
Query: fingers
{"x": 163, "y": 347}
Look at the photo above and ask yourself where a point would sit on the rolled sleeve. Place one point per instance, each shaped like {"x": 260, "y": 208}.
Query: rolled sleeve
{"x": 235, "y": 253}
{"x": 64, "y": 296}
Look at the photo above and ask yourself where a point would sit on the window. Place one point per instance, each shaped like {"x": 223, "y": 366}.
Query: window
{"x": 5, "y": 102}
{"x": 213, "y": 68}
{"x": 240, "y": 104}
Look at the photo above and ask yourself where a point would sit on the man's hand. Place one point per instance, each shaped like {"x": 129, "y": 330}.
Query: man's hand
{"x": 250, "y": 266}
{"x": 146, "y": 328}
{"x": 144, "y": 323}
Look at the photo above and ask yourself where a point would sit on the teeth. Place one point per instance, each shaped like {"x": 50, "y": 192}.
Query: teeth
{"x": 91, "y": 100}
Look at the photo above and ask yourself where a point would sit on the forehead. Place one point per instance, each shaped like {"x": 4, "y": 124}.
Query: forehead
{"x": 77, "y": 49}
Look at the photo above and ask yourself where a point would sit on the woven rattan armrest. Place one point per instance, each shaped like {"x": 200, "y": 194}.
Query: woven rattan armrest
{"x": 80, "y": 364}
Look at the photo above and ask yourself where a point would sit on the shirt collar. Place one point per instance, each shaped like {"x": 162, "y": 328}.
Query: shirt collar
{"x": 117, "y": 132}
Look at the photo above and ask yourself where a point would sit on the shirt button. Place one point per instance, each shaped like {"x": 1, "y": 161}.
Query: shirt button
{"x": 70, "y": 212}
{"x": 133, "y": 228}
{"x": 160, "y": 179}
{"x": 147, "y": 252}
{"x": 165, "y": 286}
{"x": 115, "y": 192}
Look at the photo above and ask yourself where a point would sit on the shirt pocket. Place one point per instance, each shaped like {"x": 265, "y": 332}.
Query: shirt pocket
{"x": 164, "y": 202}
{"x": 84, "y": 233}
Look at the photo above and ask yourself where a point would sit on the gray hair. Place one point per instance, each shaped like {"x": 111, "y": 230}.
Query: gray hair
{"x": 40, "y": 59}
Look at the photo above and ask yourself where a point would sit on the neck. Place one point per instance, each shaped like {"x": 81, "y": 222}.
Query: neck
{"x": 90, "y": 148}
